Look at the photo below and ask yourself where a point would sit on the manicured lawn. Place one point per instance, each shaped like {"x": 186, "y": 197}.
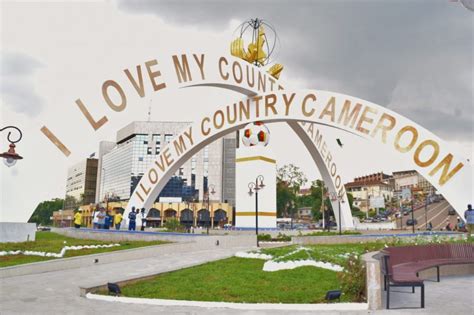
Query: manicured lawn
{"x": 238, "y": 280}
{"x": 53, "y": 242}
{"x": 243, "y": 280}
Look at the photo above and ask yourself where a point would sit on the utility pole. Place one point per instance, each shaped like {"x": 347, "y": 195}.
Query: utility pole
{"x": 412, "y": 212}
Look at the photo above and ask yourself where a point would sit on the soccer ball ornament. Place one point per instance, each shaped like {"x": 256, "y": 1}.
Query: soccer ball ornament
{"x": 255, "y": 134}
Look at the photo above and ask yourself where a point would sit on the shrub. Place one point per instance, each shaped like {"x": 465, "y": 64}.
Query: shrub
{"x": 283, "y": 237}
{"x": 264, "y": 237}
{"x": 352, "y": 279}
{"x": 173, "y": 225}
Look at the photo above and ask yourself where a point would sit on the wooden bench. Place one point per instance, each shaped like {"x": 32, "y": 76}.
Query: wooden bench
{"x": 401, "y": 265}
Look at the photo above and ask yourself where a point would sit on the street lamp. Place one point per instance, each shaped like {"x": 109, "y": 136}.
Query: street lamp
{"x": 212, "y": 192}
{"x": 339, "y": 198}
{"x": 254, "y": 187}
{"x": 10, "y": 156}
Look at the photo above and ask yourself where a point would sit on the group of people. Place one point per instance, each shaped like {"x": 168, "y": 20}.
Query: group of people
{"x": 132, "y": 219}
{"x": 461, "y": 226}
{"x": 103, "y": 219}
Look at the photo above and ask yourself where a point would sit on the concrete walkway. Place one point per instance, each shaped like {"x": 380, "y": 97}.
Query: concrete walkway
{"x": 57, "y": 292}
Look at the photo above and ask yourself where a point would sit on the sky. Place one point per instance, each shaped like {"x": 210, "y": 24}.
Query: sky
{"x": 413, "y": 57}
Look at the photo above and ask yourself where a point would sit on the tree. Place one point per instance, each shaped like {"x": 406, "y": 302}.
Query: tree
{"x": 292, "y": 175}
{"x": 284, "y": 198}
{"x": 289, "y": 181}
{"x": 45, "y": 210}
{"x": 71, "y": 202}
{"x": 350, "y": 198}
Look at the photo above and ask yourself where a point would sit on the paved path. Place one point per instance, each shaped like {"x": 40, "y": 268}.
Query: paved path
{"x": 58, "y": 292}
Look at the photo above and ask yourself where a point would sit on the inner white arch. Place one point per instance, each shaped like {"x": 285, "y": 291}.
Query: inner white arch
{"x": 456, "y": 190}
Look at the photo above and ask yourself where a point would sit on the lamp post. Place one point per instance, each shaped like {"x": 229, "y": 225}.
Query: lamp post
{"x": 212, "y": 191}
{"x": 412, "y": 212}
{"x": 254, "y": 187}
{"x": 426, "y": 212}
{"x": 10, "y": 157}
{"x": 334, "y": 197}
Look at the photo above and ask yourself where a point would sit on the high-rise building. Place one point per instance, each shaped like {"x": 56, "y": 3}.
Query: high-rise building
{"x": 137, "y": 146}
{"x": 81, "y": 183}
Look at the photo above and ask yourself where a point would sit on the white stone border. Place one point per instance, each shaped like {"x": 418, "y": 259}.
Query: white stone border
{"x": 55, "y": 255}
{"x": 237, "y": 306}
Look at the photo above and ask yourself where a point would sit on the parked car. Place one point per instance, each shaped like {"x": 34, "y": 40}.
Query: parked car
{"x": 406, "y": 211}
{"x": 411, "y": 222}
{"x": 43, "y": 228}
{"x": 451, "y": 211}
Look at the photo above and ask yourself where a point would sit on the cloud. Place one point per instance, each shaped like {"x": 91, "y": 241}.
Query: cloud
{"x": 17, "y": 89}
{"x": 413, "y": 57}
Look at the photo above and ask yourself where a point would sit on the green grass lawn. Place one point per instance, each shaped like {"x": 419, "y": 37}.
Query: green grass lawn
{"x": 238, "y": 280}
{"x": 243, "y": 280}
{"x": 53, "y": 242}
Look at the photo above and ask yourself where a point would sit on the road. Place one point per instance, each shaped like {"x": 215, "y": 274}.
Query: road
{"x": 436, "y": 213}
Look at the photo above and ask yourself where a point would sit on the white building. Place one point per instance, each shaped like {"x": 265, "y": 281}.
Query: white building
{"x": 371, "y": 186}
{"x": 137, "y": 146}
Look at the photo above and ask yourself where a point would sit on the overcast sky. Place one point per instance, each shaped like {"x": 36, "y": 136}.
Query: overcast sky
{"x": 414, "y": 57}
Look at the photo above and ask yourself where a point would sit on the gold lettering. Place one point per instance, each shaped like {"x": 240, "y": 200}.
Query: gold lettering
{"x": 445, "y": 164}
{"x": 205, "y": 133}
{"x": 313, "y": 98}
{"x": 189, "y": 135}
{"x": 95, "y": 124}
{"x": 385, "y": 128}
{"x": 182, "y": 69}
{"x": 433, "y": 156}
{"x": 200, "y": 63}
{"x": 288, "y": 102}
{"x": 105, "y": 87}
{"x": 329, "y": 109}
{"x": 179, "y": 145}
{"x": 139, "y": 87}
{"x": 400, "y": 133}
{"x": 145, "y": 190}
{"x": 349, "y": 117}
{"x": 270, "y": 101}
{"x": 363, "y": 118}
{"x": 167, "y": 156}
{"x": 153, "y": 179}
{"x": 245, "y": 109}
{"x": 55, "y": 141}
{"x": 160, "y": 164}
{"x": 257, "y": 105}
{"x": 231, "y": 119}
{"x": 154, "y": 74}
{"x": 262, "y": 82}
{"x": 239, "y": 79}
{"x": 221, "y": 123}
{"x": 139, "y": 196}
{"x": 221, "y": 61}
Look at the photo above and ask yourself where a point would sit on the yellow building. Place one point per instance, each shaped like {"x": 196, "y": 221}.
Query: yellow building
{"x": 188, "y": 213}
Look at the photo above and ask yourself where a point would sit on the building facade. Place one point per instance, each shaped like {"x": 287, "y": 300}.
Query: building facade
{"x": 371, "y": 186}
{"x": 412, "y": 180}
{"x": 137, "y": 146}
{"x": 81, "y": 183}
{"x": 196, "y": 214}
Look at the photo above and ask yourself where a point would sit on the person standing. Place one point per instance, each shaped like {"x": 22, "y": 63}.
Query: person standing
{"x": 132, "y": 219}
{"x": 95, "y": 218}
{"x": 78, "y": 219}
{"x": 108, "y": 220}
{"x": 143, "y": 217}
{"x": 118, "y": 220}
{"x": 469, "y": 216}
{"x": 101, "y": 218}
